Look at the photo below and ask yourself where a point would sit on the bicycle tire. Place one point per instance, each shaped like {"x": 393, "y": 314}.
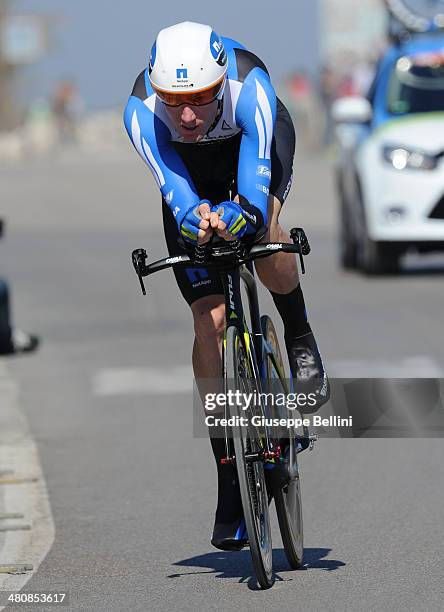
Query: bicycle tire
{"x": 288, "y": 504}
{"x": 250, "y": 474}
{"x": 287, "y": 496}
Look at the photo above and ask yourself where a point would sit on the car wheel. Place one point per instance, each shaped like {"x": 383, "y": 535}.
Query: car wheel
{"x": 347, "y": 242}
{"x": 377, "y": 258}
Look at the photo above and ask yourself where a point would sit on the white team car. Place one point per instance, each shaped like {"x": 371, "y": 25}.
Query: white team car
{"x": 390, "y": 165}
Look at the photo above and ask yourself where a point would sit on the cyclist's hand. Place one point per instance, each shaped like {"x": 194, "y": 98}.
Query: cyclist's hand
{"x": 195, "y": 225}
{"x": 229, "y": 221}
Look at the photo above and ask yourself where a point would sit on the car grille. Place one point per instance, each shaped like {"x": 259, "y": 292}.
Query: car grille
{"x": 438, "y": 211}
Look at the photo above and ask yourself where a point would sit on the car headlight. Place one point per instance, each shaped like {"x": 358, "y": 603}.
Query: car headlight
{"x": 402, "y": 158}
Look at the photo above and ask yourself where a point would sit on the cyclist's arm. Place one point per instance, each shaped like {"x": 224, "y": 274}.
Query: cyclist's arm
{"x": 255, "y": 115}
{"x": 152, "y": 140}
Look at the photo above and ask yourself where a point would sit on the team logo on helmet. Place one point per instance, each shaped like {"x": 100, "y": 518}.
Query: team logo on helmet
{"x": 217, "y": 49}
{"x": 152, "y": 58}
{"x": 181, "y": 73}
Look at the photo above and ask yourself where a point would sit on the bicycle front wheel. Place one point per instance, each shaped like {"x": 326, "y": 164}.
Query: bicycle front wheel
{"x": 247, "y": 441}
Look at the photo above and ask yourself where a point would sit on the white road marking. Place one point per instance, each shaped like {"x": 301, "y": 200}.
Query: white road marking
{"x": 179, "y": 379}
{"x": 19, "y": 456}
{"x": 416, "y": 366}
{"x": 123, "y": 381}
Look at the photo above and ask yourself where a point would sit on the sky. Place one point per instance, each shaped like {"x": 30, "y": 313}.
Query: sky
{"x": 104, "y": 44}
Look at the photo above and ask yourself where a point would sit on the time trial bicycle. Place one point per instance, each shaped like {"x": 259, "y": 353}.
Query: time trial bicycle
{"x": 266, "y": 464}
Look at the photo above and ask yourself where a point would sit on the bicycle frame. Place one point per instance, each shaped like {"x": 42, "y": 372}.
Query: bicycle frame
{"x": 234, "y": 312}
{"x": 258, "y": 350}
{"x": 256, "y": 347}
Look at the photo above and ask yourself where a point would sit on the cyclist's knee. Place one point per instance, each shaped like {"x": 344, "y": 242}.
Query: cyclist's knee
{"x": 209, "y": 317}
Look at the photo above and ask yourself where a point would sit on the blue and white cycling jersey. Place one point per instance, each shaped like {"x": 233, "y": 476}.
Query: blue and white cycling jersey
{"x": 248, "y": 109}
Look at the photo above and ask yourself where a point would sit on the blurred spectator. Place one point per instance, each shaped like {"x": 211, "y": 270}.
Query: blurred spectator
{"x": 327, "y": 95}
{"x": 66, "y": 106}
{"x": 39, "y": 132}
{"x": 363, "y": 76}
{"x": 12, "y": 340}
{"x": 302, "y": 102}
{"x": 346, "y": 86}
{"x": 356, "y": 80}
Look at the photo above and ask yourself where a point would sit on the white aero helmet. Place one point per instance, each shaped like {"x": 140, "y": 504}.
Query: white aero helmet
{"x": 188, "y": 64}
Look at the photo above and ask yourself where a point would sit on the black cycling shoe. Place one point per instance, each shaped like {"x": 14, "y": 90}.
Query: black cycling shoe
{"x": 19, "y": 342}
{"x": 308, "y": 371}
{"x": 229, "y": 531}
{"x": 230, "y": 536}
{"x": 22, "y": 342}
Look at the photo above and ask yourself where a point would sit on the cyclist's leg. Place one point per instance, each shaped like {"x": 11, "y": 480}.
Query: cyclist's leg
{"x": 203, "y": 292}
{"x": 279, "y": 272}
{"x": 209, "y": 324}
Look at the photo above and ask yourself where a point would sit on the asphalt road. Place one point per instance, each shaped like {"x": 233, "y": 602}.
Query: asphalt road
{"x": 132, "y": 493}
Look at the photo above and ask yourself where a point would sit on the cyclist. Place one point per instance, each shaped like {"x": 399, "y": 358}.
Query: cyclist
{"x": 205, "y": 118}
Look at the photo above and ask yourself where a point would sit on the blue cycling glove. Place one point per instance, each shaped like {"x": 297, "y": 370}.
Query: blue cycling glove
{"x": 189, "y": 225}
{"x": 240, "y": 220}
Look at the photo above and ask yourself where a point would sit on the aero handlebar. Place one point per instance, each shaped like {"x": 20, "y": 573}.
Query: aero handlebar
{"x": 225, "y": 254}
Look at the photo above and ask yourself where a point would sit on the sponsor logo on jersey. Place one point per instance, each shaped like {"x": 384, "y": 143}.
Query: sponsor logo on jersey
{"x": 169, "y": 198}
{"x": 176, "y": 211}
{"x": 263, "y": 189}
{"x": 207, "y": 140}
{"x": 263, "y": 171}
{"x": 287, "y": 189}
{"x": 201, "y": 283}
{"x": 196, "y": 274}
{"x": 198, "y": 277}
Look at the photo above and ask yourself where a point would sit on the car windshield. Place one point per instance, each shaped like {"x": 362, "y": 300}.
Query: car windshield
{"x": 417, "y": 84}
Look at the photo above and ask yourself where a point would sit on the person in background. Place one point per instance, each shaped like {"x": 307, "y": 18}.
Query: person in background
{"x": 66, "y": 106}
{"x": 327, "y": 95}
{"x": 12, "y": 340}
{"x": 305, "y": 108}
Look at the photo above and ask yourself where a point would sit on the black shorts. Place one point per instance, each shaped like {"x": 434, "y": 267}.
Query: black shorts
{"x": 213, "y": 169}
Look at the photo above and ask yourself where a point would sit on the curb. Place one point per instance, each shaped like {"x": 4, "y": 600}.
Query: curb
{"x": 26, "y": 524}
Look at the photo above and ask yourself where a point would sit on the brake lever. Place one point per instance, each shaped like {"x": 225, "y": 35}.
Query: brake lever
{"x": 299, "y": 237}
{"x": 139, "y": 259}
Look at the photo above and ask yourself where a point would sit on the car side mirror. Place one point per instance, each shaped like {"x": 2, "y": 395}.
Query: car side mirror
{"x": 352, "y": 109}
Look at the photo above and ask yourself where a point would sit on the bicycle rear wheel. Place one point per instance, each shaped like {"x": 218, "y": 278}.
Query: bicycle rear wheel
{"x": 250, "y": 472}
{"x": 289, "y": 512}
